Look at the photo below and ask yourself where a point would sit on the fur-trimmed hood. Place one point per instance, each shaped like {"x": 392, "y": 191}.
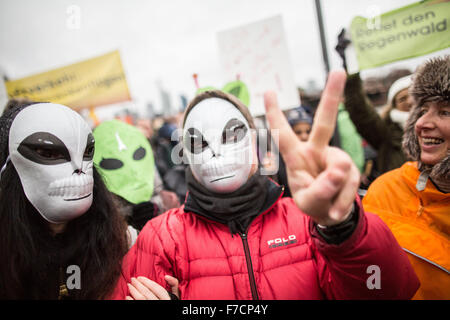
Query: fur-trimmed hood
{"x": 431, "y": 82}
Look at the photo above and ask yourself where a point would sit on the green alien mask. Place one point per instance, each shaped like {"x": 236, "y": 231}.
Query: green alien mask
{"x": 124, "y": 158}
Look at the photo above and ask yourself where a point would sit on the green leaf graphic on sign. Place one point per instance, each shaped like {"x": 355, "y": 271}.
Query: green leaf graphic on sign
{"x": 238, "y": 89}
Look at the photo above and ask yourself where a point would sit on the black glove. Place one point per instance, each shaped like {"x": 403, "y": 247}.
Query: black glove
{"x": 343, "y": 43}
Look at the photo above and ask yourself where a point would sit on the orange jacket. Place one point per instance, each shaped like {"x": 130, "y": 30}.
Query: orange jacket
{"x": 420, "y": 220}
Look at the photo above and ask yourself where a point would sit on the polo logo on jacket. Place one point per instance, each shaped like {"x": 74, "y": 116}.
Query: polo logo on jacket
{"x": 278, "y": 242}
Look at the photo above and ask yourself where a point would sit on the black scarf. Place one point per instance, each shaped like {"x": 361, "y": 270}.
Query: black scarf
{"x": 236, "y": 209}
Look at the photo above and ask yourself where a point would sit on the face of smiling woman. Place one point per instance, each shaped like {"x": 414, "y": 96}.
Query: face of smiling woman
{"x": 433, "y": 131}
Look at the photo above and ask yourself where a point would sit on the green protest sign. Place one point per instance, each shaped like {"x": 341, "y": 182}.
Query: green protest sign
{"x": 407, "y": 32}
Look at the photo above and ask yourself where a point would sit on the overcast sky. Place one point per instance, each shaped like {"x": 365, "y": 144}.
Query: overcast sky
{"x": 165, "y": 41}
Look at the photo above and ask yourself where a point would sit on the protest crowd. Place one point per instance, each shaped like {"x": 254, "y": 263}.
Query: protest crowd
{"x": 345, "y": 196}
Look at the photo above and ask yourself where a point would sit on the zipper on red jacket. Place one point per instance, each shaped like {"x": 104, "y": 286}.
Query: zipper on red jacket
{"x": 248, "y": 259}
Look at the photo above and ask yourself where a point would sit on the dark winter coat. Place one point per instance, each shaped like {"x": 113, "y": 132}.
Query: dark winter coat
{"x": 384, "y": 135}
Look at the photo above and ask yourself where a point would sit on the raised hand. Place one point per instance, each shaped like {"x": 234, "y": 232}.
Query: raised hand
{"x": 142, "y": 288}
{"x": 341, "y": 46}
{"x": 323, "y": 179}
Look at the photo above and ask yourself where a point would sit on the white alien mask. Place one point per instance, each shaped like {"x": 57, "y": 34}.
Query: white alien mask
{"x": 52, "y": 149}
{"x": 219, "y": 145}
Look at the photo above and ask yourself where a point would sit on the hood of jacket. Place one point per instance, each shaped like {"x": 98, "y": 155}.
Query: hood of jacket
{"x": 431, "y": 83}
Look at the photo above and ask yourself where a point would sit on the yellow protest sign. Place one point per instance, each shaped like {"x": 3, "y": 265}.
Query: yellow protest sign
{"x": 90, "y": 83}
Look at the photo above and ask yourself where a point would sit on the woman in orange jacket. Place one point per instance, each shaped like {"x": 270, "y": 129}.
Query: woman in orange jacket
{"x": 414, "y": 200}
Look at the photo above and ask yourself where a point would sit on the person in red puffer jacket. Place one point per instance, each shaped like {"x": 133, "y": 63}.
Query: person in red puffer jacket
{"x": 235, "y": 237}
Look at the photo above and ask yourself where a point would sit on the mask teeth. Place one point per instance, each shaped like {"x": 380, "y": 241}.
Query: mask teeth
{"x": 86, "y": 185}
{"x": 72, "y": 187}
{"x": 220, "y": 169}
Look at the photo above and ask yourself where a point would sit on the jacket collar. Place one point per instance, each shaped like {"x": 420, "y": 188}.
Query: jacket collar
{"x": 430, "y": 194}
{"x": 274, "y": 193}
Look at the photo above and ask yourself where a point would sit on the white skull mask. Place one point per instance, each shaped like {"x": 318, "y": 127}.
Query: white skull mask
{"x": 52, "y": 149}
{"x": 219, "y": 145}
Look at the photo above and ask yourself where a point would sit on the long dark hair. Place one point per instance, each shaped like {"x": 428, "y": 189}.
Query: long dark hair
{"x": 34, "y": 261}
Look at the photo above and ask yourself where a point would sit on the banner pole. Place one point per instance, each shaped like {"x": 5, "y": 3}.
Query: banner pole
{"x": 322, "y": 37}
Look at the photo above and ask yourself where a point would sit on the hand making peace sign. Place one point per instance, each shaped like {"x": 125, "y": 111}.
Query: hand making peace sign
{"x": 323, "y": 179}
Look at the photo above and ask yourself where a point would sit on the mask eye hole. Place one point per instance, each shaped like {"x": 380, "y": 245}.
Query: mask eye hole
{"x": 139, "y": 153}
{"x": 89, "y": 153}
{"x": 111, "y": 164}
{"x": 44, "y": 148}
{"x": 49, "y": 153}
{"x": 194, "y": 141}
{"x": 90, "y": 148}
{"x": 234, "y": 131}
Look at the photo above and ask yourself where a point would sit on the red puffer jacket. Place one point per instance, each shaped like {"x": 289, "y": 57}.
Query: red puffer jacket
{"x": 281, "y": 257}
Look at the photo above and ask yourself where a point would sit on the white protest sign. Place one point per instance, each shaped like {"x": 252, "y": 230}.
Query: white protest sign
{"x": 257, "y": 54}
